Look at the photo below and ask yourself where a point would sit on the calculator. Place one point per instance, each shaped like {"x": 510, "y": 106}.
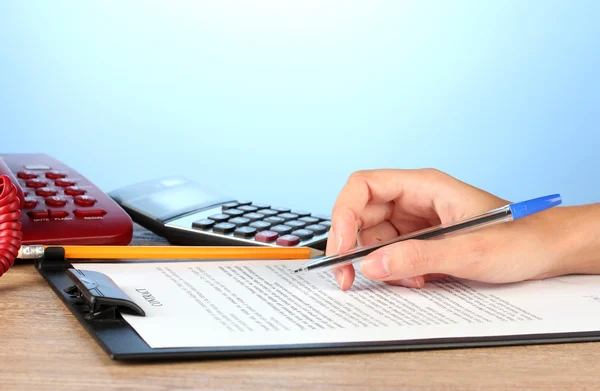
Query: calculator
{"x": 186, "y": 212}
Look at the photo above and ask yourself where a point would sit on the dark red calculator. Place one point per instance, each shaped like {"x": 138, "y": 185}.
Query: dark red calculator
{"x": 61, "y": 206}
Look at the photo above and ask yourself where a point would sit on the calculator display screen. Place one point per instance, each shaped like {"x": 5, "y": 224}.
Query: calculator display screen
{"x": 165, "y": 201}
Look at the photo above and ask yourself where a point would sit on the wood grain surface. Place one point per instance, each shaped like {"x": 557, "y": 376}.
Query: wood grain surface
{"x": 43, "y": 347}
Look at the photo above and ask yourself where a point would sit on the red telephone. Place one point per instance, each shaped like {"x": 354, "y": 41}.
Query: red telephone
{"x": 43, "y": 201}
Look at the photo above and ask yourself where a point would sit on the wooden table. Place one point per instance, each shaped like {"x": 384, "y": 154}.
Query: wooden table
{"x": 43, "y": 347}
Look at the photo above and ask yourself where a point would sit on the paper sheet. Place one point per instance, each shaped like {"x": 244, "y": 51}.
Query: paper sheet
{"x": 244, "y": 303}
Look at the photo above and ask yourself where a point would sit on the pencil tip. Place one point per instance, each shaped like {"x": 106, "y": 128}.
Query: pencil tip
{"x": 302, "y": 269}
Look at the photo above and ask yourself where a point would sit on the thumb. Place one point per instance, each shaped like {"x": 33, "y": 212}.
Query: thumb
{"x": 414, "y": 258}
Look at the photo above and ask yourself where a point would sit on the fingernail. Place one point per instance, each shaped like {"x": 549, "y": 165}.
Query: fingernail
{"x": 375, "y": 266}
{"x": 339, "y": 276}
{"x": 414, "y": 282}
{"x": 340, "y": 240}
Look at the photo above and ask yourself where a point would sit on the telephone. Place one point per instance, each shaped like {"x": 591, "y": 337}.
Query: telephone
{"x": 43, "y": 201}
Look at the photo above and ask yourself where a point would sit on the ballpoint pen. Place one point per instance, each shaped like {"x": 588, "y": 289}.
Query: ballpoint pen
{"x": 503, "y": 214}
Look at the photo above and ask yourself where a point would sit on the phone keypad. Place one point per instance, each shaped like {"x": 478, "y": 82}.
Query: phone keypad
{"x": 60, "y": 193}
{"x": 262, "y": 223}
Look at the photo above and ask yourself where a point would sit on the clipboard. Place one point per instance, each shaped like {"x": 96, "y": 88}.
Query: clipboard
{"x": 97, "y": 303}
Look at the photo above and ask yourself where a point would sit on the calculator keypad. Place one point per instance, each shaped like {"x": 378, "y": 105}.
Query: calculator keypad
{"x": 260, "y": 222}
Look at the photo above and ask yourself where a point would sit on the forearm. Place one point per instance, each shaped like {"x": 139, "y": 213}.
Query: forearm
{"x": 579, "y": 238}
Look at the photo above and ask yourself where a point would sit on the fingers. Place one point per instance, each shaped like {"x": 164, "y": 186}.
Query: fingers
{"x": 373, "y": 187}
{"x": 344, "y": 276}
{"x": 379, "y": 233}
{"x": 414, "y": 259}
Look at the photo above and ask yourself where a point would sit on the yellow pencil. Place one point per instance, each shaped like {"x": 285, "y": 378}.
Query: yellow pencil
{"x": 170, "y": 252}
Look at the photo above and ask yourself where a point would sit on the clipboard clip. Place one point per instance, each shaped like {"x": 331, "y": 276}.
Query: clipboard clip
{"x": 98, "y": 296}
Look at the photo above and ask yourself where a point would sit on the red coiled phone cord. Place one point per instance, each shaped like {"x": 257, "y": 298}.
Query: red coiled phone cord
{"x": 10, "y": 227}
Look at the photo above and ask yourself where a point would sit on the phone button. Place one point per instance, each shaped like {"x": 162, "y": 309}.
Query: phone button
{"x": 56, "y": 201}
{"x": 37, "y": 167}
{"x": 35, "y": 183}
{"x": 64, "y": 182}
{"x": 83, "y": 200}
{"x": 55, "y": 175}
{"x": 74, "y": 191}
{"x": 89, "y": 212}
{"x": 30, "y": 202}
{"x": 45, "y": 192}
{"x": 38, "y": 214}
{"x": 26, "y": 175}
{"x": 57, "y": 214}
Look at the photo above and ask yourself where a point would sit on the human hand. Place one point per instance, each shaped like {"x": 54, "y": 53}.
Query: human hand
{"x": 378, "y": 205}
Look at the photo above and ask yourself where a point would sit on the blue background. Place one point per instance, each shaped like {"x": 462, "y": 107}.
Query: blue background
{"x": 279, "y": 101}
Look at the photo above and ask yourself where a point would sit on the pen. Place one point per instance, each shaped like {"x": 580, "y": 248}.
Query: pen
{"x": 503, "y": 214}
{"x": 169, "y": 252}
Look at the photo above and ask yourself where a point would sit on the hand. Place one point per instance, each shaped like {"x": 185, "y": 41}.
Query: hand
{"x": 378, "y": 205}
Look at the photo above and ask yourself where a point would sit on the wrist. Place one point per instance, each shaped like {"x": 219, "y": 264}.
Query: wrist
{"x": 577, "y": 238}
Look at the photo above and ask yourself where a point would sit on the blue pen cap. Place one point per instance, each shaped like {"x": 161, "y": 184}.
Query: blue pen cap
{"x": 525, "y": 208}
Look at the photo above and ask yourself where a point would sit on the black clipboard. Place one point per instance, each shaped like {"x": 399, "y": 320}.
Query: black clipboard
{"x": 97, "y": 303}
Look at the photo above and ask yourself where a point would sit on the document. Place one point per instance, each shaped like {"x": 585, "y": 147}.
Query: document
{"x": 254, "y": 303}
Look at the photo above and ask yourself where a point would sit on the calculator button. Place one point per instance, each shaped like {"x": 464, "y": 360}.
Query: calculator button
{"x": 244, "y": 232}
{"x": 309, "y": 220}
{"x": 89, "y": 212}
{"x": 56, "y": 201}
{"x": 282, "y": 229}
{"x": 38, "y": 214}
{"x": 37, "y": 167}
{"x": 301, "y": 213}
{"x": 288, "y": 216}
{"x": 219, "y": 218}
{"x": 26, "y": 175}
{"x": 295, "y": 224}
{"x": 229, "y": 205}
{"x": 254, "y": 216}
{"x": 326, "y": 223}
{"x": 304, "y": 234}
{"x": 224, "y": 228}
{"x": 288, "y": 240}
{"x": 233, "y": 212}
{"x": 36, "y": 183}
{"x": 248, "y": 208}
{"x": 239, "y": 221}
{"x": 57, "y": 214}
{"x": 258, "y": 205}
{"x": 74, "y": 191}
{"x": 274, "y": 220}
{"x": 203, "y": 224}
{"x": 261, "y": 225}
{"x": 268, "y": 212}
{"x": 64, "y": 182}
{"x": 317, "y": 229}
{"x": 322, "y": 217}
{"x": 281, "y": 209}
{"x": 29, "y": 202}
{"x": 55, "y": 174}
{"x": 45, "y": 192}
{"x": 266, "y": 236}
{"x": 244, "y": 202}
